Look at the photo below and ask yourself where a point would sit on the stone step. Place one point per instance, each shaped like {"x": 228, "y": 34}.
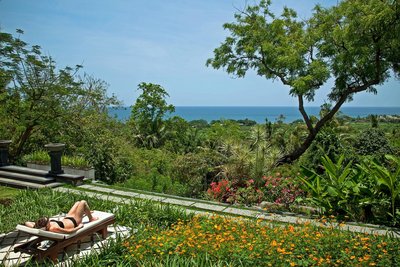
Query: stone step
{"x": 26, "y": 177}
{"x": 24, "y": 184}
{"x": 24, "y": 170}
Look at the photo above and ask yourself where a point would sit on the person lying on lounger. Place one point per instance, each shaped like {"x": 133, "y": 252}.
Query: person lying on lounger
{"x": 71, "y": 222}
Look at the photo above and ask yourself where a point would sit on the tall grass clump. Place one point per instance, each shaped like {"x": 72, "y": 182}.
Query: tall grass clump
{"x": 29, "y": 205}
{"x": 42, "y": 157}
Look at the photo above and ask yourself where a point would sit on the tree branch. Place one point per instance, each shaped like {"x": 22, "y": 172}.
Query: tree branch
{"x": 304, "y": 114}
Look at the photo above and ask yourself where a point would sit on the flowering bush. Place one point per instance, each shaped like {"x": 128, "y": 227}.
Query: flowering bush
{"x": 219, "y": 191}
{"x": 281, "y": 190}
{"x": 241, "y": 242}
{"x": 248, "y": 194}
{"x": 233, "y": 192}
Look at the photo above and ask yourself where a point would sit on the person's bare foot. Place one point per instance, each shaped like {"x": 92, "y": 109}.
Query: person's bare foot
{"x": 93, "y": 219}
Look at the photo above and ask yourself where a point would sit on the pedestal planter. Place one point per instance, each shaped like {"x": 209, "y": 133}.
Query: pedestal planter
{"x": 55, "y": 152}
{"x": 4, "y": 145}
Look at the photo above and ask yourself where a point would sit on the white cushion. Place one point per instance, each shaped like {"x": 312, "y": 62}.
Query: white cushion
{"x": 87, "y": 225}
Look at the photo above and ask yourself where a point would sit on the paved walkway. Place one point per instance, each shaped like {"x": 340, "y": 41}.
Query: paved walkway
{"x": 207, "y": 207}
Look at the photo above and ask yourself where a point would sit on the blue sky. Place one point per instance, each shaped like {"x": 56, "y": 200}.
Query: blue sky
{"x": 165, "y": 42}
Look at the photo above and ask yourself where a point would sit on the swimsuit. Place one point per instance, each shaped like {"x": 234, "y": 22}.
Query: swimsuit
{"x": 61, "y": 224}
{"x": 72, "y": 220}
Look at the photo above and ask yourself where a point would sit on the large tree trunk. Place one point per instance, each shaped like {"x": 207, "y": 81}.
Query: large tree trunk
{"x": 312, "y": 130}
{"x": 21, "y": 142}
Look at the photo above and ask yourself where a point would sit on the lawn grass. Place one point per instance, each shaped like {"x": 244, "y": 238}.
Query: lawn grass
{"x": 168, "y": 236}
{"x": 7, "y": 192}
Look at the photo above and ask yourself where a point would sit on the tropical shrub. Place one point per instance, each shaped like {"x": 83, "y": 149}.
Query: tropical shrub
{"x": 42, "y": 157}
{"x": 388, "y": 178}
{"x": 281, "y": 190}
{"x": 366, "y": 192}
{"x": 248, "y": 194}
{"x": 196, "y": 170}
{"x": 373, "y": 142}
{"x": 326, "y": 143}
{"x": 220, "y": 191}
{"x": 235, "y": 191}
{"x": 155, "y": 182}
{"x": 337, "y": 190}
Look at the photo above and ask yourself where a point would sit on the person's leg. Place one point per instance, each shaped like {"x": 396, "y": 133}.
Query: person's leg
{"x": 81, "y": 209}
{"x": 73, "y": 209}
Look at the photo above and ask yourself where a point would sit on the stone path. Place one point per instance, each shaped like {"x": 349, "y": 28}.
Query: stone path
{"x": 207, "y": 207}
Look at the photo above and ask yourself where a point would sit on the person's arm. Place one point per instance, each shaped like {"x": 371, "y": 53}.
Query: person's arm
{"x": 30, "y": 224}
{"x": 58, "y": 229}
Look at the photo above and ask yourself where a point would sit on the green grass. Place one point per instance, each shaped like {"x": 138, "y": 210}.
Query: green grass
{"x": 170, "y": 226}
{"x": 42, "y": 157}
{"x": 7, "y": 192}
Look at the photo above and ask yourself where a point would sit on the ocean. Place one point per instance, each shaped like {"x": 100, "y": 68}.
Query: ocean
{"x": 258, "y": 114}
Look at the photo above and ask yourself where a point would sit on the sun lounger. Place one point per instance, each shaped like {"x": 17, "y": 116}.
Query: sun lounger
{"x": 60, "y": 241}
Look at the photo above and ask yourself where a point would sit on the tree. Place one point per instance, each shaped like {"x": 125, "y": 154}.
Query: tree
{"x": 34, "y": 92}
{"x": 148, "y": 115}
{"x": 357, "y": 51}
{"x": 42, "y": 102}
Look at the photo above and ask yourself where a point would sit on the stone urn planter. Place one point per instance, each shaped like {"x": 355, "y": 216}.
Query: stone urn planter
{"x": 4, "y": 145}
{"x": 55, "y": 147}
{"x": 55, "y": 152}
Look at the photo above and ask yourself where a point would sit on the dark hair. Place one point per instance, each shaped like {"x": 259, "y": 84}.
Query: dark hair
{"x": 41, "y": 222}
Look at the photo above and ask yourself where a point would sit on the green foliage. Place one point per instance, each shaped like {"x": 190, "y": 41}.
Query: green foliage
{"x": 335, "y": 191}
{"x": 374, "y": 120}
{"x": 148, "y": 114}
{"x": 181, "y": 138}
{"x": 42, "y": 157}
{"x": 387, "y": 177}
{"x": 326, "y": 143}
{"x": 156, "y": 182}
{"x": 358, "y": 52}
{"x": 367, "y": 191}
{"x": 38, "y": 93}
{"x": 223, "y": 131}
{"x": 199, "y": 124}
{"x": 196, "y": 171}
{"x": 109, "y": 154}
{"x": 40, "y": 102}
{"x": 372, "y": 142}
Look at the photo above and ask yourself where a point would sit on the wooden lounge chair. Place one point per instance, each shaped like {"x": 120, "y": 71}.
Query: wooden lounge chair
{"x": 60, "y": 241}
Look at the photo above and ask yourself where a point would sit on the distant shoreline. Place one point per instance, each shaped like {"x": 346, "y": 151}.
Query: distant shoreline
{"x": 257, "y": 113}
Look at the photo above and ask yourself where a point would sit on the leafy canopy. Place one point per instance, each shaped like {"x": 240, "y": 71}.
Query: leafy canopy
{"x": 356, "y": 43}
{"x": 148, "y": 114}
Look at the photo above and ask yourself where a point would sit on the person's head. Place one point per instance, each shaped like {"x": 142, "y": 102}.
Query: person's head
{"x": 42, "y": 222}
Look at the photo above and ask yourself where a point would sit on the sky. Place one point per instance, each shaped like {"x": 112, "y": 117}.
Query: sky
{"x": 126, "y": 42}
